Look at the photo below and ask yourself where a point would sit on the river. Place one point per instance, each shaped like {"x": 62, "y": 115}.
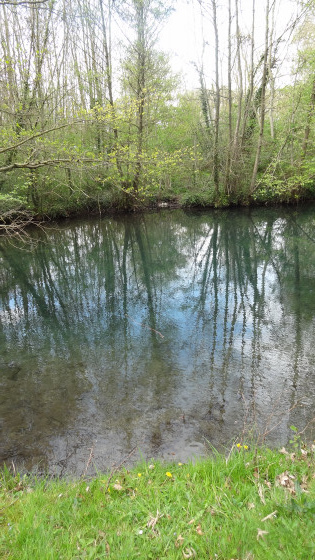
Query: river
{"x": 162, "y": 334}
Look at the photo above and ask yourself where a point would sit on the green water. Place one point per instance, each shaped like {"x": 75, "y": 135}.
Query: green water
{"x": 161, "y": 332}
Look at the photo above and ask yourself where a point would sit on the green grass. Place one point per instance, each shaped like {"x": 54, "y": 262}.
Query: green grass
{"x": 213, "y": 509}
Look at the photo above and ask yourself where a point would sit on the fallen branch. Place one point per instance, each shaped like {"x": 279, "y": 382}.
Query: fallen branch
{"x": 115, "y": 468}
{"x": 89, "y": 461}
{"x": 15, "y": 222}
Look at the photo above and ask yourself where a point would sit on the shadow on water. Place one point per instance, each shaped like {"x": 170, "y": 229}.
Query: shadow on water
{"x": 162, "y": 331}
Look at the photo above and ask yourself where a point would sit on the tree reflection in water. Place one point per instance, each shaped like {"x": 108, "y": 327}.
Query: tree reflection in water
{"x": 164, "y": 331}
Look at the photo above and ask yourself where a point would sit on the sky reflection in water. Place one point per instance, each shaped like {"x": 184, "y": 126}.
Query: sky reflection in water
{"x": 163, "y": 331}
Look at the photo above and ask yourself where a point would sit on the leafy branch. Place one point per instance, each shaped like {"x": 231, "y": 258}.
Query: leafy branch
{"x": 47, "y": 162}
{"x": 36, "y": 135}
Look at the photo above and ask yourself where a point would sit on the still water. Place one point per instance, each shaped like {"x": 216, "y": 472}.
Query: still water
{"x": 167, "y": 332}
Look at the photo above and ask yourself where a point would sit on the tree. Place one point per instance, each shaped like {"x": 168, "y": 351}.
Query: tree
{"x": 262, "y": 100}
{"x": 216, "y": 174}
{"x": 147, "y": 79}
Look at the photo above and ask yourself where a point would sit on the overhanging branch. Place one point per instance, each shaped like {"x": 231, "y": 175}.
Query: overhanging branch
{"x": 37, "y": 135}
{"x": 47, "y": 162}
{"x": 22, "y": 3}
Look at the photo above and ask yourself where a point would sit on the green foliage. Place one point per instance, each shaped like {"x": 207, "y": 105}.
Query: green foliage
{"x": 198, "y": 198}
{"x": 295, "y": 440}
{"x": 301, "y": 506}
{"x": 9, "y": 204}
{"x": 149, "y": 142}
{"x": 293, "y": 185}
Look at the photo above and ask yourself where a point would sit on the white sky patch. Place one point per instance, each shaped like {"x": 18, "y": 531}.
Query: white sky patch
{"x": 189, "y": 38}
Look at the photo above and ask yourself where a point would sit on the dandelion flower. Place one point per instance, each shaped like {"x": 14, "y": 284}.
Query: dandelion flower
{"x": 169, "y": 474}
{"x": 245, "y": 446}
{"x": 180, "y": 464}
{"x": 238, "y": 445}
{"x": 139, "y": 474}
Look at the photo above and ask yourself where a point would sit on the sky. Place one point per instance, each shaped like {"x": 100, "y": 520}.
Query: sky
{"x": 185, "y": 31}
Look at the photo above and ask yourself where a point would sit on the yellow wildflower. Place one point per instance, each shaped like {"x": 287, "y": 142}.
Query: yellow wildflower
{"x": 169, "y": 474}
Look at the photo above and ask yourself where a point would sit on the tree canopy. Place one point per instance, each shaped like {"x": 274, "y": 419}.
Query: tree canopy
{"x": 92, "y": 114}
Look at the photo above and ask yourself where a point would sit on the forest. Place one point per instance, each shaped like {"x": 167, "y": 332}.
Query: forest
{"x": 93, "y": 116}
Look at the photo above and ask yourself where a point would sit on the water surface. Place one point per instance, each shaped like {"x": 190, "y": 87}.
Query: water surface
{"x": 166, "y": 332}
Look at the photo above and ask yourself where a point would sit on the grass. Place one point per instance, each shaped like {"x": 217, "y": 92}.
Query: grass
{"x": 257, "y": 504}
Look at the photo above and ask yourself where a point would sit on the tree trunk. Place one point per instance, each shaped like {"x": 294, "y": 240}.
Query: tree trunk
{"x": 309, "y": 119}
{"x": 240, "y": 79}
{"x": 262, "y": 103}
{"x": 216, "y": 171}
{"x": 228, "y": 157}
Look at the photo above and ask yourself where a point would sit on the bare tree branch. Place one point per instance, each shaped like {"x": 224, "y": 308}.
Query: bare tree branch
{"x": 47, "y": 162}
{"x": 22, "y": 3}
{"x": 41, "y": 133}
{"x": 13, "y": 223}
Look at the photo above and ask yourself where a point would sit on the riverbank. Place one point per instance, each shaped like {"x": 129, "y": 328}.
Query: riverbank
{"x": 16, "y": 220}
{"x": 253, "y": 504}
